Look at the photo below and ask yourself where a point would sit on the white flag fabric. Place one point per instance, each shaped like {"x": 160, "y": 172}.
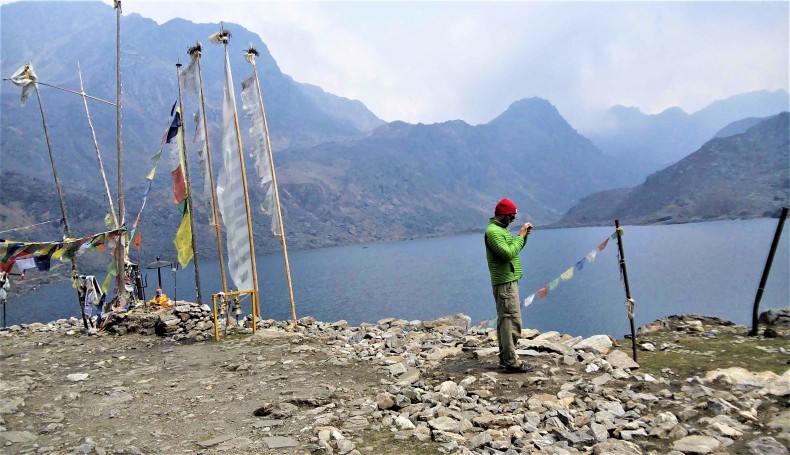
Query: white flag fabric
{"x": 230, "y": 192}
{"x": 218, "y": 38}
{"x": 191, "y": 83}
{"x": 528, "y": 300}
{"x": 24, "y": 77}
{"x": 189, "y": 77}
{"x": 591, "y": 255}
{"x": 254, "y": 111}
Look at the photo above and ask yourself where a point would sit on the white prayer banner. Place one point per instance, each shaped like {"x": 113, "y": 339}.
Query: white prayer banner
{"x": 230, "y": 192}
{"x": 254, "y": 112}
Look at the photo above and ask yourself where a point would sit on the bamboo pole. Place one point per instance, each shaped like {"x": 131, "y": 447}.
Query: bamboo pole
{"x": 81, "y": 93}
{"x": 66, "y": 228}
{"x": 252, "y": 53}
{"x": 255, "y": 309}
{"x": 217, "y": 230}
{"x": 121, "y": 252}
{"x": 629, "y": 301}
{"x": 766, "y": 271}
{"x": 96, "y": 145}
{"x": 191, "y": 212}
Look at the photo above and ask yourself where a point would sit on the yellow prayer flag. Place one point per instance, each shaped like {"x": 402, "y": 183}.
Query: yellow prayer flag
{"x": 183, "y": 241}
{"x": 62, "y": 248}
{"x": 106, "y": 285}
{"x": 567, "y": 275}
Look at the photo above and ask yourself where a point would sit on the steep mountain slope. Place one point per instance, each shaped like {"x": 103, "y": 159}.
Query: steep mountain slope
{"x": 741, "y": 176}
{"x": 68, "y": 32}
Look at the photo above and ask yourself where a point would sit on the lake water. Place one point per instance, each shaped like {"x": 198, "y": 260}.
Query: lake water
{"x": 708, "y": 268}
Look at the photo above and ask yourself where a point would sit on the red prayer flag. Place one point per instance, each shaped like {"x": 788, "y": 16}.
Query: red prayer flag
{"x": 543, "y": 292}
{"x": 7, "y": 266}
{"x": 179, "y": 185}
{"x": 137, "y": 241}
{"x": 603, "y": 244}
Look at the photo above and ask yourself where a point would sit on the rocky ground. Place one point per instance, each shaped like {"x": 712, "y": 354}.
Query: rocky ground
{"x": 395, "y": 387}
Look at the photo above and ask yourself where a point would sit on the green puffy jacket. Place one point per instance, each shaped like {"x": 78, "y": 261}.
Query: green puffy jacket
{"x": 502, "y": 250}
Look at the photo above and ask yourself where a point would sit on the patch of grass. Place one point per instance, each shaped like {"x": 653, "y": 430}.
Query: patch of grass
{"x": 696, "y": 354}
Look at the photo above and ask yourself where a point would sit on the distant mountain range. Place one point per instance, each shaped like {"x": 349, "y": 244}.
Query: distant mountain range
{"x": 736, "y": 175}
{"x": 344, "y": 175}
{"x": 652, "y": 142}
{"x": 405, "y": 181}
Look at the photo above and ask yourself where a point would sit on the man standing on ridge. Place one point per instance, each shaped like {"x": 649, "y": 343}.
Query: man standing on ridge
{"x": 504, "y": 265}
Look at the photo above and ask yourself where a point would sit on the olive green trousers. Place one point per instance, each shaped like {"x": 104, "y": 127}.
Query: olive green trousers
{"x": 508, "y": 322}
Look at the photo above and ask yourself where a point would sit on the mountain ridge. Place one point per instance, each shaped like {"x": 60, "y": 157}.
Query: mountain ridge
{"x": 744, "y": 175}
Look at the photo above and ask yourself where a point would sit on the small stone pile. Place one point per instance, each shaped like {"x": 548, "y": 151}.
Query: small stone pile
{"x": 183, "y": 321}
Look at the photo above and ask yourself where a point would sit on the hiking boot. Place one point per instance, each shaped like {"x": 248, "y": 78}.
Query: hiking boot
{"x": 520, "y": 368}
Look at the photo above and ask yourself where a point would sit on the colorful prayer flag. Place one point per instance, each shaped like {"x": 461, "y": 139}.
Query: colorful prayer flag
{"x": 580, "y": 265}
{"x": 553, "y": 284}
{"x": 591, "y": 256}
{"x": 603, "y": 244}
{"x": 567, "y": 275}
{"x": 179, "y": 185}
{"x": 190, "y": 80}
{"x": 183, "y": 241}
{"x": 25, "y": 261}
{"x": 543, "y": 292}
{"x": 528, "y": 300}
{"x": 43, "y": 262}
{"x": 175, "y": 149}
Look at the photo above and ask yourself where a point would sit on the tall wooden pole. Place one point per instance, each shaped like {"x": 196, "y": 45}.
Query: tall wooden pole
{"x": 191, "y": 212}
{"x": 217, "y": 230}
{"x": 255, "y": 309}
{"x": 766, "y": 271}
{"x": 121, "y": 252}
{"x": 66, "y": 228}
{"x": 629, "y": 301}
{"x": 274, "y": 183}
{"x": 96, "y": 146}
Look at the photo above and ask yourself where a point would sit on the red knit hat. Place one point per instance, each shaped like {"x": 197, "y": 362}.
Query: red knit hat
{"x": 505, "y": 207}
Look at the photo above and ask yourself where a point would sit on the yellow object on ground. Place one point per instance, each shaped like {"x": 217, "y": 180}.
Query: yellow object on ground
{"x": 161, "y": 300}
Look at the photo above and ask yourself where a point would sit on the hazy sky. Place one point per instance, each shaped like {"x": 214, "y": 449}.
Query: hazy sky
{"x": 436, "y": 61}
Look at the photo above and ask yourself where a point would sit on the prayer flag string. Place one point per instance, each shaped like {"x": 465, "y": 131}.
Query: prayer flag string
{"x": 568, "y": 274}
{"x": 543, "y": 292}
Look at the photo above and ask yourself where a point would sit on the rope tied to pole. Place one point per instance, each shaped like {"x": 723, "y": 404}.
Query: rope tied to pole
{"x": 32, "y": 225}
{"x": 629, "y": 304}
